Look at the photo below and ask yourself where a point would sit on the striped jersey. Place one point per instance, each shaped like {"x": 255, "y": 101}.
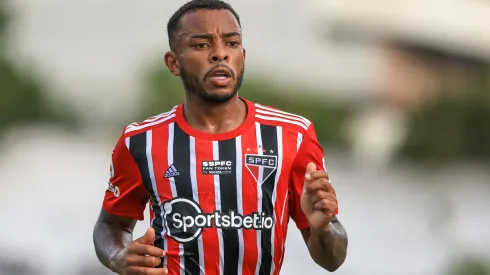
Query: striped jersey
{"x": 220, "y": 203}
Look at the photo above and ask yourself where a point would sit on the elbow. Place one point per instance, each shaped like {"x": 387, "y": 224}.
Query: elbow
{"x": 334, "y": 262}
{"x": 334, "y": 265}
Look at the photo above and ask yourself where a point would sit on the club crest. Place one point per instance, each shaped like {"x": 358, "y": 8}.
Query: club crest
{"x": 261, "y": 166}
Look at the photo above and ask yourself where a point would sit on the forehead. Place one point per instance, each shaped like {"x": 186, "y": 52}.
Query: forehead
{"x": 208, "y": 21}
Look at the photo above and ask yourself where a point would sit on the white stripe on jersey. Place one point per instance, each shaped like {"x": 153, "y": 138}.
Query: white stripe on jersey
{"x": 238, "y": 172}
{"x": 274, "y": 194}
{"x": 299, "y": 140}
{"x": 170, "y": 154}
{"x": 306, "y": 121}
{"x": 217, "y": 194}
{"x": 260, "y": 177}
{"x": 149, "y": 144}
{"x": 273, "y": 115}
{"x": 282, "y": 120}
{"x": 160, "y": 115}
{"x": 126, "y": 140}
{"x": 153, "y": 118}
{"x": 195, "y": 195}
{"x": 282, "y": 219}
{"x": 170, "y": 115}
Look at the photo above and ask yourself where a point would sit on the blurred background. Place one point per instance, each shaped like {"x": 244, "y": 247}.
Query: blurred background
{"x": 399, "y": 92}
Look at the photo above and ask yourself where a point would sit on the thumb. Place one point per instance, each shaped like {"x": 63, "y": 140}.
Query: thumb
{"x": 148, "y": 238}
{"x": 311, "y": 167}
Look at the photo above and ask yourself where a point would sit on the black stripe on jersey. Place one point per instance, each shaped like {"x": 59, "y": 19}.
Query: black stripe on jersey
{"x": 269, "y": 144}
{"x": 137, "y": 148}
{"x": 183, "y": 186}
{"x": 228, "y": 195}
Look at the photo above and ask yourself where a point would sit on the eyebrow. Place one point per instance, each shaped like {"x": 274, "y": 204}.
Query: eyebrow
{"x": 209, "y": 36}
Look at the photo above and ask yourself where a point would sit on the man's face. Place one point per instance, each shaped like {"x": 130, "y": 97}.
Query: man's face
{"x": 210, "y": 55}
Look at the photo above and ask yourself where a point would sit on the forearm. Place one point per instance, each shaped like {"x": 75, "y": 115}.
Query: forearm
{"x": 329, "y": 248}
{"x": 110, "y": 240}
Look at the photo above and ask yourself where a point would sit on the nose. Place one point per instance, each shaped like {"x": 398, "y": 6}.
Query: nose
{"x": 219, "y": 54}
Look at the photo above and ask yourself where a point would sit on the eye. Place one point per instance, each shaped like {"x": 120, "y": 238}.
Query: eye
{"x": 232, "y": 43}
{"x": 200, "y": 45}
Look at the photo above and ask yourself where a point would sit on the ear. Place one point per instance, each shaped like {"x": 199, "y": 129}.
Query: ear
{"x": 244, "y": 54}
{"x": 172, "y": 63}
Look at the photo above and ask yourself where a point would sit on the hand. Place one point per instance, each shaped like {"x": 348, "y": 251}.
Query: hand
{"x": 140, "y": 257}
{"x": 318, "y": 200}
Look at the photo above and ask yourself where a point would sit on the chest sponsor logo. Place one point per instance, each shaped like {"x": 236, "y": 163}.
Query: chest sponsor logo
{"x": 217, "y": 167}
{"x": 184, "y": 220}
{"x": 261, "y": 166}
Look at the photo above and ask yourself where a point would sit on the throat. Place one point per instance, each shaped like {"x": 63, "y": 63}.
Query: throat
{"x": 216, "y": 119}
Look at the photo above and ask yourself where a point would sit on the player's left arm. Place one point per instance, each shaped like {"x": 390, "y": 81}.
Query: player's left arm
{"x": 314, "y": 205}
{"x": 328, "y": 248}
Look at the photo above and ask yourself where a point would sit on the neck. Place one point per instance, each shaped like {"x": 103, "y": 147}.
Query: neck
{"x": 214, "y": 118}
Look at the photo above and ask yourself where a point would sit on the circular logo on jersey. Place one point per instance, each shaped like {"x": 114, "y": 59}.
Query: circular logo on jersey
{"x": 183, "y": 219}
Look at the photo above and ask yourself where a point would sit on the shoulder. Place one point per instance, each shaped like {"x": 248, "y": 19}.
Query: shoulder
{"x": 150, "y": 123}
{"x": 274, "y": 116}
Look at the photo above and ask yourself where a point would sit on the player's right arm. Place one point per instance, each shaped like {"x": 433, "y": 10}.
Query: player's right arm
{"x": 124, "y": 203}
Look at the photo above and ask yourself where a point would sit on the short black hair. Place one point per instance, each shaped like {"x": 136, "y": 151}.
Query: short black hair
{"x": 173, "y": 23}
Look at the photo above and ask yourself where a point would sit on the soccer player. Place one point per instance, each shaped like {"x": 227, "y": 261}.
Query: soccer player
{"x": 223, "y": 175}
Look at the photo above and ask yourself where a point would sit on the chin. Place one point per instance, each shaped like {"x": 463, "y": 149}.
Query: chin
{"x": 219, "y": 95}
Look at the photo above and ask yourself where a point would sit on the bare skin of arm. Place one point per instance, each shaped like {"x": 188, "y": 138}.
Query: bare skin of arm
{"x": 115, "y": 248}
{"x": 327, "y": 248}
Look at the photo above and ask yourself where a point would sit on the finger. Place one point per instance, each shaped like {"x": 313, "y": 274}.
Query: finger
{"x": 321, "y": 195}
{"x": 137, "y": 270}
{"x": 311, "y": 167}
{"x": 326, "y": 185}
{"x": 144, "y": 261}
{"x": 143, "y": 250}
{"x": 318, "y": 174}
{"x": 148, "y": 237}
{"x": 319, "y": 184}
{"x": 329, "y": 188}
{"x": 326, "y": 206}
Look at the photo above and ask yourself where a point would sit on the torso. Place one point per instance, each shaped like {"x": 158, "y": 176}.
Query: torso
{"x": 219, "y": 202}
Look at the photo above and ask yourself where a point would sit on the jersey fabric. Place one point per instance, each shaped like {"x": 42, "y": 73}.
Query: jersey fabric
{"x": 220, "y": 203}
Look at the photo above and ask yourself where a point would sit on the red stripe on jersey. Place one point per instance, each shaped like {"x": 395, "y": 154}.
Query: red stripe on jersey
{"x": 288, "y": 152}
{"x": 249, "y": 200}
{"x": 268, "y": 110}
{"x": 160, "y": 165}
{"x": 147, "y": 124}
{"x": 285, "y": 222}
{"x": 207, "y": 201}
{"x": 271, "y": 116}
{"x": 281, "y": 117}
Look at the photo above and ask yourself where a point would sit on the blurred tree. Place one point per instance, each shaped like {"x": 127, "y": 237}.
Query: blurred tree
{"x": 468, "y": 266}
{"x": 3, "y": 21}
{"x": 22, "y": 95}
{"x": 163, "y": 91}
{"x": 452, "y": 128}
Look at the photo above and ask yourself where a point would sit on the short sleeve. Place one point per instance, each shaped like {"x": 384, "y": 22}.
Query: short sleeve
{"x": 126, "y": 195}
{"x": 310, "y": 150}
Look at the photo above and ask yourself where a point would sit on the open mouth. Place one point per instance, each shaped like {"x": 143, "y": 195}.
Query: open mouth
{"x": 220, "y": 77}
{"x": 220, "y": 74}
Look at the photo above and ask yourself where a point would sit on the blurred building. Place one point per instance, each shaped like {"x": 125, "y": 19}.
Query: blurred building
{"x": 424, "y": 47}
{"x": 424, "y": 50}
{"x": 400, "y": 221}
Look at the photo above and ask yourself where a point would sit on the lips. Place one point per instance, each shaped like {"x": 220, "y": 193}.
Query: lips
{"x": 220, "y": 73}
{"x": 220, "y": 77}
